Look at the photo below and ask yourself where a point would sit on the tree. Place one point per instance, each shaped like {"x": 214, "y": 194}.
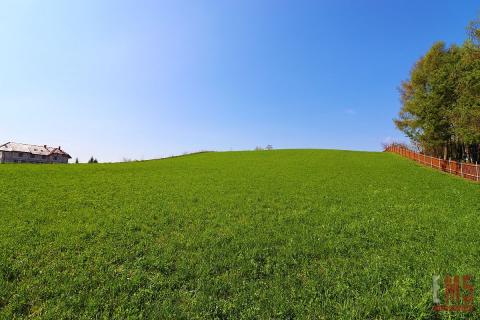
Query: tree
{"x": 466, "y": 116}
{"x": 473, "y": 31}
{"x": 441, "y": 100}
{"x": 93, "y": 160}
{"x": 428, "y": 98}
{"x": 76, "y": 160}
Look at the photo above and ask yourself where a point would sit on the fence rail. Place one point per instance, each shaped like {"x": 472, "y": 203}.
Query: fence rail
{"x": 468, "y": 171}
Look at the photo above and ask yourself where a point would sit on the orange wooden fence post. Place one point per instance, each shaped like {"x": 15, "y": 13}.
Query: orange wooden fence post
{"x": 476, "y": 168}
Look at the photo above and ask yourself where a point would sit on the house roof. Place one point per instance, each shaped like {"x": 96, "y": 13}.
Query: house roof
{"x": 34, "y": 149}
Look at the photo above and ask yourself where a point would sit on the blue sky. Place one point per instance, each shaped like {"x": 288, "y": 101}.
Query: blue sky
{"x": 145, "y": 79}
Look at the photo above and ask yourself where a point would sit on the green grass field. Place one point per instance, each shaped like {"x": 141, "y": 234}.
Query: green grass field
{"x": 266, "y": 234}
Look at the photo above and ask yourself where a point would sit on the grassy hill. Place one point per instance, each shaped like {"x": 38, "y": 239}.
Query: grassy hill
{"x": 288, "y": 233}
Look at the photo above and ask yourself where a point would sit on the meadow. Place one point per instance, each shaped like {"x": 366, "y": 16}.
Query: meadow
{"x": 284, "y": 234}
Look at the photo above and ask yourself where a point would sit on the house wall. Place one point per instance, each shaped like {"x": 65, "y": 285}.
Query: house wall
{"x": 15, "y": 157}
{"x": 60, "y": 159}
{"x": 6, "y": 157}
{"x": 19, "y": 157}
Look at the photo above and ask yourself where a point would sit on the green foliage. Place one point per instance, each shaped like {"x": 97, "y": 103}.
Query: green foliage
{"x": 466, "y": 115}
{"x": 441, "y": 100}
{"x": 429, "y": 96}
{"x": 268, "y": 234}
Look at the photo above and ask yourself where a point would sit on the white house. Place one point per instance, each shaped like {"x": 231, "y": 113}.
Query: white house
{"x": 12, "y": 152}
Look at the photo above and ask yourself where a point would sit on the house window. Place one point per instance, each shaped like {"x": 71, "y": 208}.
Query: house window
{"x": 32, "y": 155}
{"x": 44, "y": 157}
{"x": 20, "y": 154}
{"x": 55, "y": 158}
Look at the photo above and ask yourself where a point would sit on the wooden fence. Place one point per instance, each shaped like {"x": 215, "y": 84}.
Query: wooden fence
{"x": 466, "y": 170}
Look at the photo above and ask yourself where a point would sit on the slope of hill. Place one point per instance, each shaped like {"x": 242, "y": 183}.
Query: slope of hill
{"x": 288, "y": 233}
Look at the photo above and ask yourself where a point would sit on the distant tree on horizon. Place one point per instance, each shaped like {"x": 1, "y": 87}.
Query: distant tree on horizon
{"x": 93, "y": 160}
